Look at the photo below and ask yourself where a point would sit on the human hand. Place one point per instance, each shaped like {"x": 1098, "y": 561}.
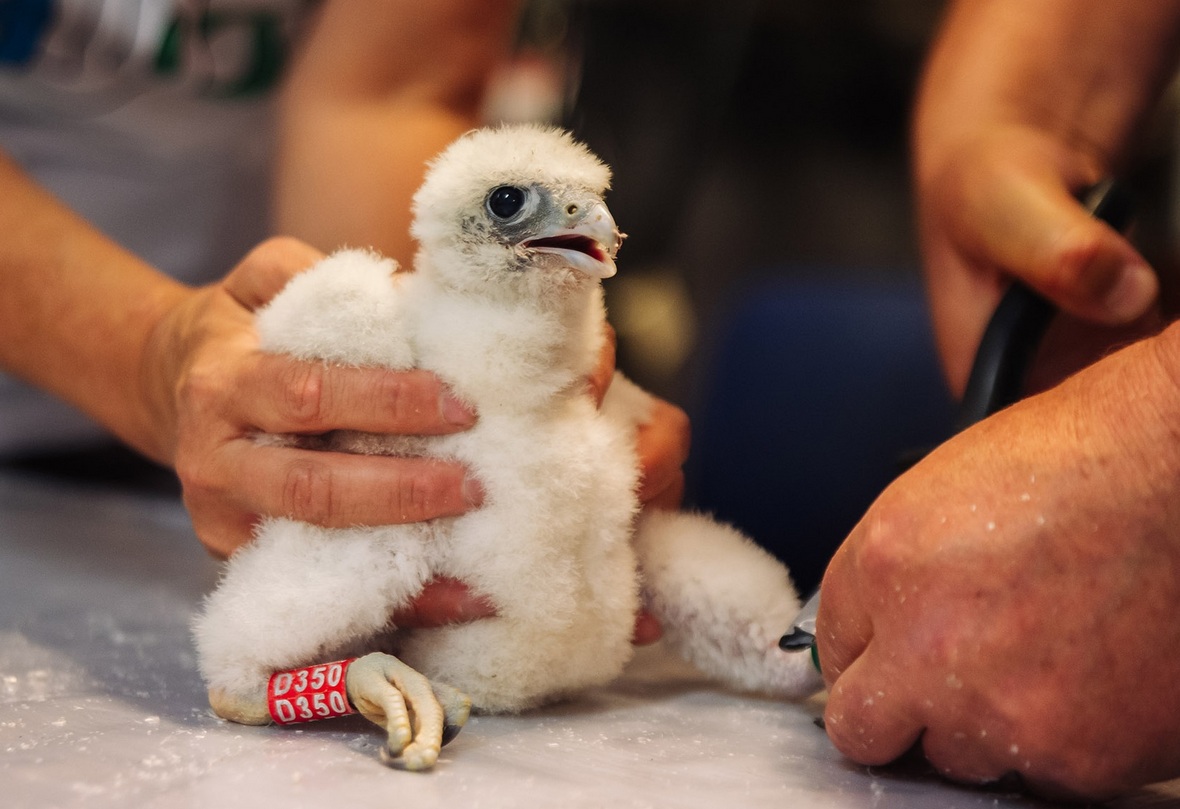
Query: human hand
{"x": 662, "y": 442}
{"x": 1010, "y": 602}
{"x": 214, "y": 389}
{"x": 1001, "y": 205}
{"x": 443, "y": 601}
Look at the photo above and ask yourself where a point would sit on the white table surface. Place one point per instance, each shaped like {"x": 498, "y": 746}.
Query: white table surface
{"x": 101, "y": 705}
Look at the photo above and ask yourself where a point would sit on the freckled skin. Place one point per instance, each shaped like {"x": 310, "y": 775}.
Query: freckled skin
{"x": 1056, "y": 624}
{"x": 1061, "y": 622}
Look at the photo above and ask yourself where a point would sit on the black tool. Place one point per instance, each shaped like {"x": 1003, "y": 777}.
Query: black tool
{"x": 1009, "y": 344}
{"x": 1016, "y": 327}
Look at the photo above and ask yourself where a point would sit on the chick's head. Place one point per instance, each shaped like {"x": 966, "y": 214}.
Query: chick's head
{"x": 515, "y": 209}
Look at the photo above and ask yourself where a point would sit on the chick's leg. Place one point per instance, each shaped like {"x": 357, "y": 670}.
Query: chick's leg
{"x": 419, "y": 716}
{"x": 246, "y": 709}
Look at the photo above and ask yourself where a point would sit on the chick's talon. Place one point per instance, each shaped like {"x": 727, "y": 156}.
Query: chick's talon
{"x": 418, "y": 716}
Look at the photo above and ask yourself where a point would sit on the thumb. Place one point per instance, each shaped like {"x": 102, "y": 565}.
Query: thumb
{"x": 1032, "y": 226}
{"x": 266, "y": 269}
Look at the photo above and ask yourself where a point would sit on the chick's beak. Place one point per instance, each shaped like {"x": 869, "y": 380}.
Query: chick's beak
{"x": 587, "y": 240}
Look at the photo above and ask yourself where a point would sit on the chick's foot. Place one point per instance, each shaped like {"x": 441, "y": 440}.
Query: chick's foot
{"x": 419, "y": 716}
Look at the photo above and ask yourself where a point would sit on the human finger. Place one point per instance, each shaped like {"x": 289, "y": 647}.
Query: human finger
{"x": 221, "y": 526}
{"x": 668, "y": 498}
{"x": 331, "y": 489}
{"x": 266, "y": 269}
{"x": 444, "y": 601}
{"x": 663, "y": 443}
{"x": 1026, "y": 221}
{"x": 647, "y": 629}
{"x": 865, "y": 718}
{"x": 324, "y": 396}
{"x": 279, "y": 394}
{"x": 843, "y": 627}
{"x": 871, "y": 716}
{"x": 949, "y": 748}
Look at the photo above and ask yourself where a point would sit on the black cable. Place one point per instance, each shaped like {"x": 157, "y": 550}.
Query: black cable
{"x": 1016, "y": 327}
{"x": 997, "y": 376}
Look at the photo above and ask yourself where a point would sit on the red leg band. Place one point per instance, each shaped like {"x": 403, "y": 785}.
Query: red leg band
{"x": 308, "y": 694}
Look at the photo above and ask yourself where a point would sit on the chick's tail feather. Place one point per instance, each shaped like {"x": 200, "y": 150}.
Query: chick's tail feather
{"x": 723, "y": 602}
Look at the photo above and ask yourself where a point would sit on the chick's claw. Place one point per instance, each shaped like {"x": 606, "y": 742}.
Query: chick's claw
{"x": 456, "y": 710}
{"x": 418, "y": 716}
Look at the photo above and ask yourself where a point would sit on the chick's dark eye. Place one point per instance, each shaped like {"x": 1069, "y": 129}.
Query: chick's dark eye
{"x": 506, "y": 201}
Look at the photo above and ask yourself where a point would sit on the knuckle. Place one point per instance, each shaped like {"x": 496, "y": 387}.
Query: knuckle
{"x": 420, "y": 494}
{"x": 1070, "y": 266}
{"x": 418, "y": 497}
{"x": 309, "y": 492}
{"x": 198, "y": 476}
{"x": 194, "y": 478}
{"x": 882, "y": 552}
{"x": 305, "y": 395}
{"x": 404, "y": 398}
{"x": 850, "y": 732}
{"x": 391, "y": 394}
{"x": 201, "y": 388}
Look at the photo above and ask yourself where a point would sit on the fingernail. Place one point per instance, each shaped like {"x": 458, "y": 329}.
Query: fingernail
{"x": 1134, "y": 291}
{"x": 456, "y": 412}
{"x": 473, "y": 493}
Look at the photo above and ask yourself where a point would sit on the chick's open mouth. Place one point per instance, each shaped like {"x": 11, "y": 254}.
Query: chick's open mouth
{"x": 570, "y": 241}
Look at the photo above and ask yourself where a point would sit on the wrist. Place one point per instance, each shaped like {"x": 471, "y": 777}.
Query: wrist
{"x": 166, "y": 318}
{"x": 77, "y": 310}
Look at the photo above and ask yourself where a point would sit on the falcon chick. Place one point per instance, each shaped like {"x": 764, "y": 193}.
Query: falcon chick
{"x": 505, "y": 305}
